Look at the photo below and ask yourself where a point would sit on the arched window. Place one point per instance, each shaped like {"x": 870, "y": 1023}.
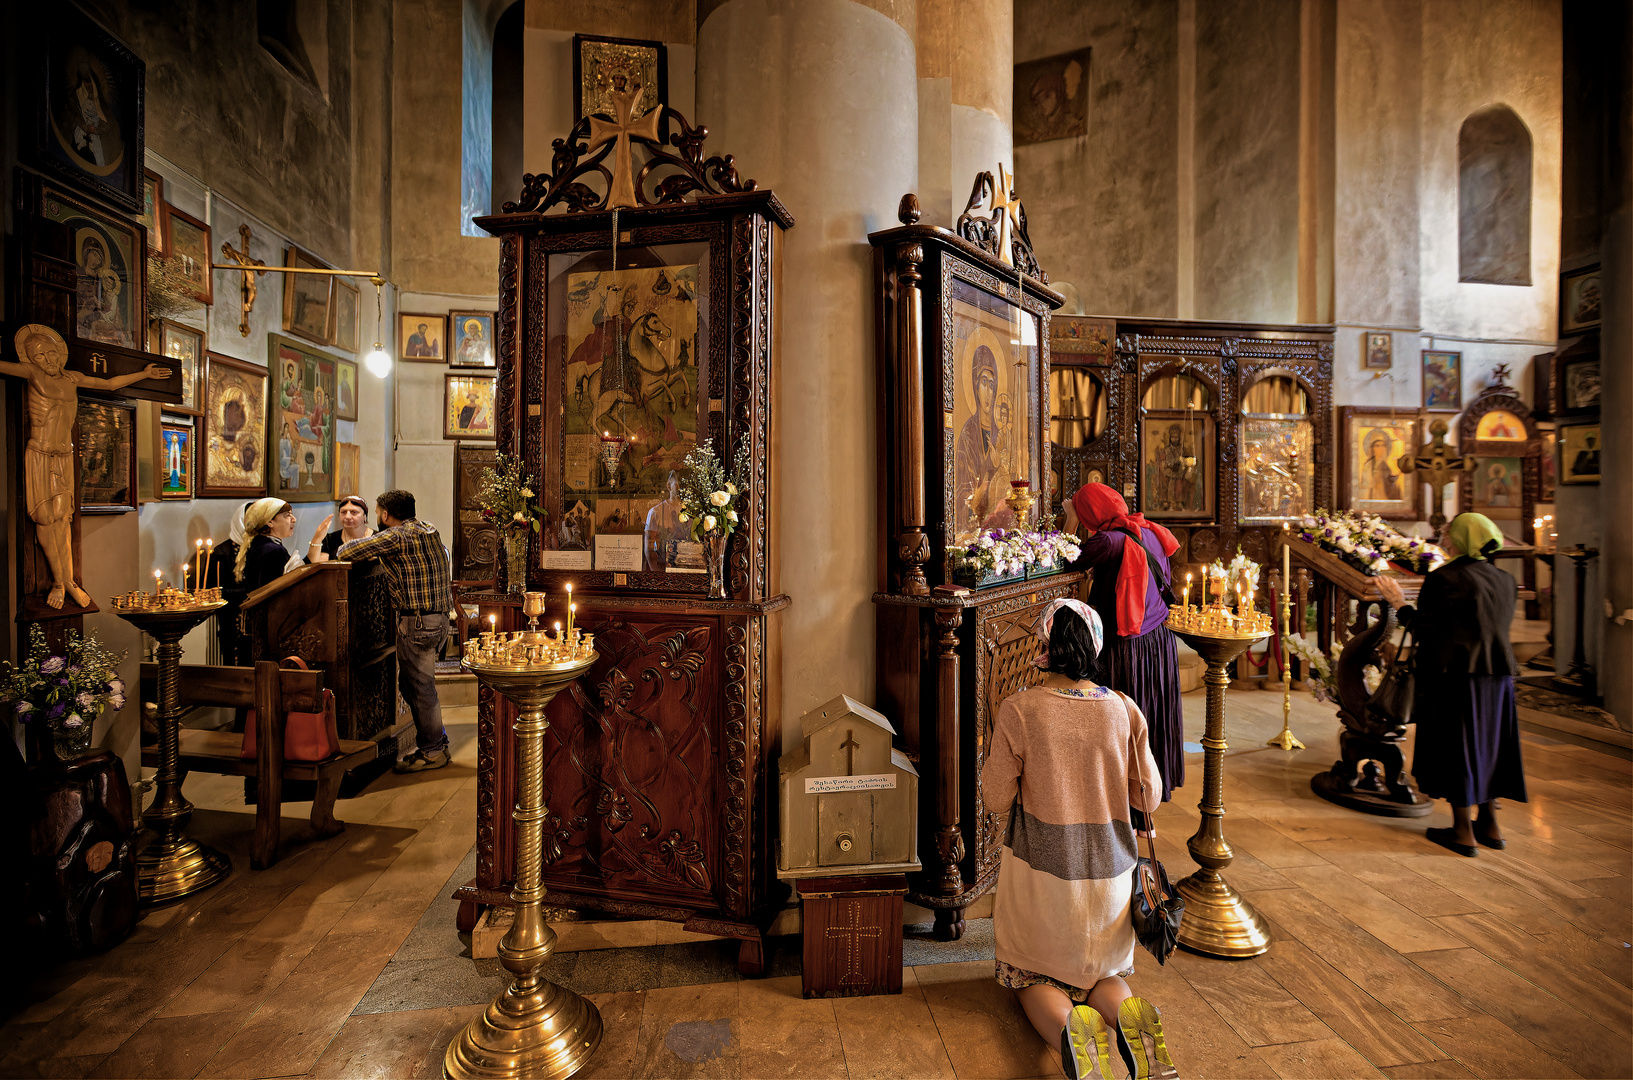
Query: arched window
{"x": 507, "y": 104}
{"x": 1494, "y": 198}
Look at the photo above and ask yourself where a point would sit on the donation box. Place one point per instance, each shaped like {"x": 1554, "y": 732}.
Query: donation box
{"x": 849, "y": 798}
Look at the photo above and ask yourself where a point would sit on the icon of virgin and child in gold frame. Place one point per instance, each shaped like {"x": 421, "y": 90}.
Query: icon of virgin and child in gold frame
{"x": 995, "y": 406}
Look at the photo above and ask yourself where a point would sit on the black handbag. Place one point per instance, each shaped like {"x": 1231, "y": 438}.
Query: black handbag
{"x": 1155, "y": 906}
{"x": 1392, "y": 701}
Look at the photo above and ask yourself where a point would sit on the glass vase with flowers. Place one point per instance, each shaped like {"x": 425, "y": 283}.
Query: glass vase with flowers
{"x": 505, "y": 494}
{"x": 709, "y": 500}
{"x": 65, "y": 691}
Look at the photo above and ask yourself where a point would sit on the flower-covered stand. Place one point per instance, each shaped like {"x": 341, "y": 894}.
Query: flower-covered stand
{"x": 1335, "y": 583}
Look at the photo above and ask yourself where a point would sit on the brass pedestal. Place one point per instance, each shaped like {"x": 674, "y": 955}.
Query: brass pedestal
{"x": 533, "y": 1028}
{"x": 169, "y": 863}
{"x": 1217, "y": 922}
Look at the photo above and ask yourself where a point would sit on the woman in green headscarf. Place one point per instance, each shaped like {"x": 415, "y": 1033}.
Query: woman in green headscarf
{"x": 1468, "y": 743}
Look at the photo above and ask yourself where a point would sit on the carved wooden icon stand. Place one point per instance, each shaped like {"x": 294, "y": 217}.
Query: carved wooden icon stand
{"x": 946, "y": 657}
{"x": 1370, "y": 774}
{"x": 661, "y": 762}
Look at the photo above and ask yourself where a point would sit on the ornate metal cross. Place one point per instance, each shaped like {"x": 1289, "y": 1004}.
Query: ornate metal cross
{"x": 1005, "y": 203}
{"x": 624, "y": 125}
{"x": 1439, "y": 466}
{"x": 242, "y": 259}
{"x": 850, "y": 746}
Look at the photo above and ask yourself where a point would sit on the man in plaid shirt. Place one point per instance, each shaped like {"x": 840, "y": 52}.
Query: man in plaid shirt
{"x": 413, "y": 555}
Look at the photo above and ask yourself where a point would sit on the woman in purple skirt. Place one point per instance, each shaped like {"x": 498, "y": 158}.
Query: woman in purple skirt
{"x": 1129, "y": 557}
{"x": 1468, "y": 744}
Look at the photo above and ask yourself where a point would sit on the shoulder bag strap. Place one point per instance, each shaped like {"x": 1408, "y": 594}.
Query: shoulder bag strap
{"x": 1164, "y": 588}
{"x": 1139, "y": 772}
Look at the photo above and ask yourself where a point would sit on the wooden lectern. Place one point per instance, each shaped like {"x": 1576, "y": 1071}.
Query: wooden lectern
{"x": 339, "y": 618}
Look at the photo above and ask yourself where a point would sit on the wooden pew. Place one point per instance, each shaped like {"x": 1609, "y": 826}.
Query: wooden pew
{"x": 271, "y": 692}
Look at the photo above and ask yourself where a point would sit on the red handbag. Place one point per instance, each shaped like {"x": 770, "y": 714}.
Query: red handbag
{"x": 308, "y": 736}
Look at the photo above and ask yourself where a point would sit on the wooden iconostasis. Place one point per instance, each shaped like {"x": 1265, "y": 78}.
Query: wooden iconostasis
{"x": 1219, "y": 431}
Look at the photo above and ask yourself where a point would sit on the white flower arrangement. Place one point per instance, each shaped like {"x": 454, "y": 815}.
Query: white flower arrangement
{"x": 1368, "y": 543}
{"x": 1319, "y": 669}
{"x": 1007, "y": 553}
{"x": 708, "y": 494}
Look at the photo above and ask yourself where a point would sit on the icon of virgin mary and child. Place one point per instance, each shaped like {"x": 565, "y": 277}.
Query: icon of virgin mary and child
{"x": 984, "y": 458}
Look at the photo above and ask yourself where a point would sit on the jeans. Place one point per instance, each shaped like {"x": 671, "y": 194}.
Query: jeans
{"x": 419, "y": 637}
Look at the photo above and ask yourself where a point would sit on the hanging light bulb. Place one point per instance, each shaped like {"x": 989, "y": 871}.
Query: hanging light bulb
{"x": 378, "y": 361}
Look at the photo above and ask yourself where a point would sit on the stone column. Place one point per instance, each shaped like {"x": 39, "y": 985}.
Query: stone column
{"x": 818, "y": 101}
{"x": 966, "y": 60}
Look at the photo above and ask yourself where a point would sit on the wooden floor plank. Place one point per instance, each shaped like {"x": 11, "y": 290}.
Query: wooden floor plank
{"x": 1317, "y": 1060}
{"x": 1444, "y": 1069}
{"x": 1366, "y": 907}
{"x": 1383, "y": 872}
{"x": 1257, "y": 1006}
{"x": 1401, "y": 986}
{"x": 1579, "y": 985}
{"x": 1490, "y": 1049}
{"x": 1355, "y": 1015}
{"x": 1558, "y": 1030}
{"x": 1199, "y": 1040}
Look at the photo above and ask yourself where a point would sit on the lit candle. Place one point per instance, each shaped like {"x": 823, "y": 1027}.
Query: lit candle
{"x": 198, "y": 562}
{"x": 1286, "y": 560}
{"x": 558, "y": 631}
{"x": 183, "y": 577}
{"x": 1187, "y": 591}
{"x": 157, "y": 574}
{"x": 570, "y": 609}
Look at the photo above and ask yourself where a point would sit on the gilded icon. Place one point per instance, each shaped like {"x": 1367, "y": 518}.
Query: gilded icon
{"x": 232, "y": 439}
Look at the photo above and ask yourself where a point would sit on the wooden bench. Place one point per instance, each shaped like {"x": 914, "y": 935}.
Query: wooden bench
{"x": 272, "y": 693}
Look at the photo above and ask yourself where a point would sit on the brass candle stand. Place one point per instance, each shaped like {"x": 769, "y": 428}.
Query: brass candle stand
{"x": 170, "y": 864}
{"x": 535, "y": 1027}
{"x": 1218, "y": 921}
{"x": 1285, "y": 738}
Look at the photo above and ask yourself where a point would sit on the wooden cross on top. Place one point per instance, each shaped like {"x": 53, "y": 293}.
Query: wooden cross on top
{"x": 1439, "y": 466}
{"x": 618, "y": 131}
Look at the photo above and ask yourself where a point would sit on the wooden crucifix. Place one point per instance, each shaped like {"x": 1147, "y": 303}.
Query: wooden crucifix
{"x": 248, "y": 267}
{"x": 624, "y": 125}
{"x": 1439, "y": 466}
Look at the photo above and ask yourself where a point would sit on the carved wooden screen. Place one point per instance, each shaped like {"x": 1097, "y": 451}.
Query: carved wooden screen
{"x": 1230, "y": 358}
{"x": 476, "y": 539}
{"x": 1085, "y": 422}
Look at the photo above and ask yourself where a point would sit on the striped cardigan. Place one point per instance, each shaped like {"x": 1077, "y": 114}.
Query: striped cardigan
{"x": 1068, "y": 769}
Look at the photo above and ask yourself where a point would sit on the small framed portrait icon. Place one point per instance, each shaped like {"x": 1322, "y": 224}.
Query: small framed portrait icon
{"x": 1377, "y": 351}
{"x": 422, "y": 338}
{"x": 1579, "y": 301}
{"x": 1579, "y": 453}
{"x": 175, "y": 461}
{"x": 468, "y": 407}
{"x": 472, "y": 333}
{"x": 1442, "y": 381}
{"x": 88, "y": 118}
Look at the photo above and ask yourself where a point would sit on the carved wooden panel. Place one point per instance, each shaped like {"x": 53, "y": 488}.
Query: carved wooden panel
{"x": 632, "y": 755}
{"x": 476, "y": 540}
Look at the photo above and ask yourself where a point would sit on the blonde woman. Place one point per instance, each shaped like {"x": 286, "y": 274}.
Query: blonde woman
{"x": 267, "y": 524}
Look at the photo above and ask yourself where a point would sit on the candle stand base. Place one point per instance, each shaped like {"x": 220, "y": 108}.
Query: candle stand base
{"x": 1218, "y": 922}
{"x": 1286, "y": 740}
{"x": 171, "y": 867}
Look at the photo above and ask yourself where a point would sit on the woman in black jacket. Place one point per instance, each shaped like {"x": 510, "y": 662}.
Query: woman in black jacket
{"x": 1468, "y": 743}
{"x": 267, "y": 523}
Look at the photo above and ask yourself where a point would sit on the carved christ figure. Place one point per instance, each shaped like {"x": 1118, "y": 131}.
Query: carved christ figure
{"x": 48, "y": 459}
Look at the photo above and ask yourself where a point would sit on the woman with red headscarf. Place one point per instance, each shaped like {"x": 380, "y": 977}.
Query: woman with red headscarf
{"x": 1129, "y": 557}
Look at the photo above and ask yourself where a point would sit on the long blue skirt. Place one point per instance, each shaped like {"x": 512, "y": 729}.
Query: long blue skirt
{"x": 1468, "y": 743}
{"x": 1146, "y": 668}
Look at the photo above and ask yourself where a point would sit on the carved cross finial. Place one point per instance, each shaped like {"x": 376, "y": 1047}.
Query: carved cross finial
{"x": 850, "y": 746}
{"x": 1499, "y": 375}
{"x": 624, "y": 125}
{"x": 1005, "y": 203}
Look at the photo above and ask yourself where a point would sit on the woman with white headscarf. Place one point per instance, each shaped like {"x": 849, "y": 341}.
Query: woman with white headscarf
{"x": 1070, "y": 760}
{"x": 267, "y": 523}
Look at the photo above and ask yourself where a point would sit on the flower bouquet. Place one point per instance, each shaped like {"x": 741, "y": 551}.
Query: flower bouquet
{"x": 1318, "y": 669}
{"x": 709, "y": 499}
{"x": 1009, "y": 555}
{"x": 66, "y": 691}
{"x": 504, "y": 493}
{"x": 1367, "y": 543}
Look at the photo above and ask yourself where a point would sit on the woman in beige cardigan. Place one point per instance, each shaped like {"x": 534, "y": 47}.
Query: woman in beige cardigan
{"x": 1070, "y": 760}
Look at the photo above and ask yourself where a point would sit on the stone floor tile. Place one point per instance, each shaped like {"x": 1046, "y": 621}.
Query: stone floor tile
{"x": 983, "y": 1027}
{"x": 171, "y": 1046}
{"x": 394, "y": 1044}
{"x": 892, "y": 1035}
{"x": 784, "y": 1035}
{"x": 620, "y": 1049}
{"x": 690, "y": 1031}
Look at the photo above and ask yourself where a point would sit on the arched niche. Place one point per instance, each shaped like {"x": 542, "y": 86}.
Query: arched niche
{"x": 1085, "y": 413}
{"x": 1179, "y": 433}
{"x": 1276, "y": 446}
{"x": 1498, "y": 431}
{"x": 1494, "y": 198}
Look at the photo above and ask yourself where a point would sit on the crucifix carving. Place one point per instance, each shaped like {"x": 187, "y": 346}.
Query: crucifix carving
{"x": 247, "y": 268}
{"x": 1439, "y": 466}
{"x": 850, "y": 938}
{"x": 49, "y": 468}
{"x": 623, "y": 126}
{"x": 850, "y": 746}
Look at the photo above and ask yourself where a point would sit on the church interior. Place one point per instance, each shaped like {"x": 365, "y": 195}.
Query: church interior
{"x": 527, "y": 553}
